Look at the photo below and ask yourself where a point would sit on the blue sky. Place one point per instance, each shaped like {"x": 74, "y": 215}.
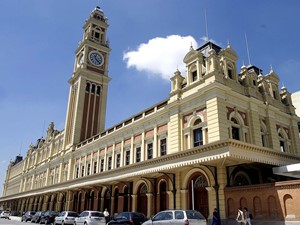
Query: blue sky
{"x": 148, "y": 38}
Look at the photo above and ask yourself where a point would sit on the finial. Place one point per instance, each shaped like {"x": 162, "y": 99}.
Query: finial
{"x": 271, "y": 69}
{"x": 191, "y": 47}
{"x": 228, "y": 44}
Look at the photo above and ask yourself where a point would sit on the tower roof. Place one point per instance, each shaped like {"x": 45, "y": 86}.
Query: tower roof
{"x": 207, "y": 46}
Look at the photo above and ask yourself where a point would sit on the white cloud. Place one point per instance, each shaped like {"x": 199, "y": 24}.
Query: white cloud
{"x": 161, "y": 56}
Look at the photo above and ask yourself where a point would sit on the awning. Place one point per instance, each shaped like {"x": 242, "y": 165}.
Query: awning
{"x": 292, "y": 170}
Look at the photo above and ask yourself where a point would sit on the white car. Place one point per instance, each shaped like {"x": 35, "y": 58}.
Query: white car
{"x": 66, "y": 217}
{"x": 177, "y": 217}
{"x": 90, "y": 218}
{"x": 5, "y": 214}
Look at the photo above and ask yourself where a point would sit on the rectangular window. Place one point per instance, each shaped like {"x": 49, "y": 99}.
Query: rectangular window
{"x": 230, "y": 73}
{"x": 88, "y": 169}
{"x": 198, "y": 137}
{"x": 109, "y": 163}
{"x": 138, "y": 154}
{"x": 127, "y": 158}
{"x": 282, "y": 147}
{"x": 77, "y": 172}
{"x": 235, "y": 133}
{"x": 118, "y": 160}
{"x": 101, "y": 165}
{"x": 150, "y": 151}
{"x": 82, "y": 171}
{"x": 163, "y": 146}
{"x": 194, "y": 75}
{"x": 95, "y": 167}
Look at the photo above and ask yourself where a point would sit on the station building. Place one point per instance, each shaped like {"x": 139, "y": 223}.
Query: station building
{"x": 215, "y": 142}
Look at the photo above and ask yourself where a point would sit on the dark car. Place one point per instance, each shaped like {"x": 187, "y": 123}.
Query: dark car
{"x": 48, "y": 217}
{"x": 27, "y": 216}
{"x": 36, "y": 218}
{"x": 133, "y": 218}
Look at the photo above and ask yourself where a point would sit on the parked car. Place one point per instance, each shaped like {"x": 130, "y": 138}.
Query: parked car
{"x": 27, "y": 216}
{"x": 133, "y": 218}
{"x": 48, "y": 217}
{"x": 90, "y": 218}
{"x": 66, "y": 217}
{"x": 178, "y": 217}
{"x": 36, "y": 218}
{"x": 5, "y": 214}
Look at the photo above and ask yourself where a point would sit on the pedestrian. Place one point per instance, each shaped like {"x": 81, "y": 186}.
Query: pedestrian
{"x": 106, "y": 215}
{"x": 216, "y": 217}
{"x": 240, "y": 217}
{"x": 247, "y": 216}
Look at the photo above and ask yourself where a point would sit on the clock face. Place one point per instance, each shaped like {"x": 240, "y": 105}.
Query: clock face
{"x": 96, "y": 58}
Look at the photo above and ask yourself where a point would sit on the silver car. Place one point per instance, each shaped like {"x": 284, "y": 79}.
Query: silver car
{"x": 66, "y": 217}
{"x": 5, "y": 214}
{"x": 177, "y": 217}
{"x": 90, "y": 218}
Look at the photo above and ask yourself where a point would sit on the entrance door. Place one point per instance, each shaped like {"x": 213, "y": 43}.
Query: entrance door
{"x": 200, "y": 194}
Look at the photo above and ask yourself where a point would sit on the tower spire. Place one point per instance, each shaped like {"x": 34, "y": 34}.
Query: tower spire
{"x": 206, "y": 27}
{"x": 249, "y": 61}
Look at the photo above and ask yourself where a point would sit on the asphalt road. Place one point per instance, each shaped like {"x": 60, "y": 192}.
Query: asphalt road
{"x": 15, "y": 221}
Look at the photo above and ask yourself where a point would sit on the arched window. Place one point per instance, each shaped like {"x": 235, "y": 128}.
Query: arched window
{"x": 230, "y": 71}
{"x": 235, "y": 129}
{"x": 263, "y": 134}
{"x": 197, "y": 134}
{"x": 282, "y": 141}
{"x": 241, "y": 179}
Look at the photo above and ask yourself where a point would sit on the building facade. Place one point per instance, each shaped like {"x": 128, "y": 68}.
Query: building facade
{"x": 213, "y": 143}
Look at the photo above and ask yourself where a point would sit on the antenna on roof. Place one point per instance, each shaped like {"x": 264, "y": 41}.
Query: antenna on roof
{"x": 206, "y": 29}
{"x": 43, "y": 129}
{"x": 20, "y": 149}
{"x": 247, "y": 49}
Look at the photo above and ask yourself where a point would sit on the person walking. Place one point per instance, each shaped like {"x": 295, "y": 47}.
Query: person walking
{"x": 106, "y": 215}
{"x": 247, "y": 216}
{"x": 240, "y": 217}
{"x": 216, "y": 217}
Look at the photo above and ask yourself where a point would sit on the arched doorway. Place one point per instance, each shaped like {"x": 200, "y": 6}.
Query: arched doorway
{"x": 142, "y": 199}
{"x": 126, "y": 199}
{"x": 63, "y": 202}
{"x": 75, "y": 202}
{"x": 198, "y": 194}
{"x": 79, "y": 203}
{"x": 107, "y": 200}
{"x": 92, "y": 198}
{"x": 116, "y": 200}
{"x": 86, "y": 201}
{"x": 163, "y": 200}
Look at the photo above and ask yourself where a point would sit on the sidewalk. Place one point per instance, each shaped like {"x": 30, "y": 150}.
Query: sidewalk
{"x": 16, "y": 218}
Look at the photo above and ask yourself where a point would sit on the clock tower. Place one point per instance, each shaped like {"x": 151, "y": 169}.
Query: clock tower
{"x": 89, "y": 82}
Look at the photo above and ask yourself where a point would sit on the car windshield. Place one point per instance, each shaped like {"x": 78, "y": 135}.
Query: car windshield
{"x": 32, "y": 213}
{"x": 122, "y": 216}
{"x": 97, "y": 214}
{"x": 74, "y": 214}
{"x": 191, "y": 214}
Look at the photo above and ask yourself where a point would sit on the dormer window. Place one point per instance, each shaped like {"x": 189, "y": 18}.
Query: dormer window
{"x": 194, "y": 75}
{"x": 230, "y": 73}
{"x": 274, "y": 95}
